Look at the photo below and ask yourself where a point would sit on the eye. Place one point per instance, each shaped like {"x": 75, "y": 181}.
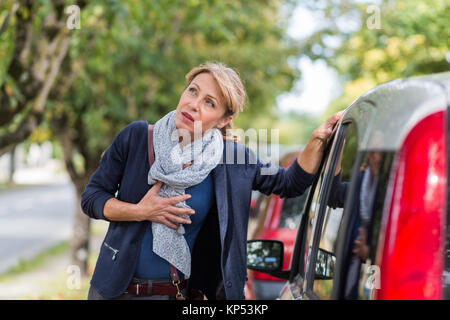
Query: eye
{"x": 192, "y": 90}
{"x": 210, "y": 103}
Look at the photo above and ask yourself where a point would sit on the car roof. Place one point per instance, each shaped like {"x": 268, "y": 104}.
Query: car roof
{"x": 385, "y": 114}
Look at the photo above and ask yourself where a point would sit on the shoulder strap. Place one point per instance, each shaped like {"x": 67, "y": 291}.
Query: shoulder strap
{"x": 151, "y": 151}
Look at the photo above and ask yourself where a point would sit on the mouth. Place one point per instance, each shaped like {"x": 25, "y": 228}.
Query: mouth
{"x": 187, "y": 116}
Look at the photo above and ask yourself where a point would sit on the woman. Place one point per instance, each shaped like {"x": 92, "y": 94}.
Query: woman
{"x": 187, "y": 217}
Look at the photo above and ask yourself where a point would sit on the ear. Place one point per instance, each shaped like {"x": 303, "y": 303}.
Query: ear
{"x": 222, "y": 123}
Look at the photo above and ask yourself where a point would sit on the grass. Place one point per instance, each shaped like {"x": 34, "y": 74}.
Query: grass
{"x": 7, "y": 186}
{"x": 60, "y": 284}
{"x": 59, "y": 288}
{"x": 38, "y": 261}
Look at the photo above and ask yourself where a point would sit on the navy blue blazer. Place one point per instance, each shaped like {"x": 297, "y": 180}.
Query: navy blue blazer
{"x": 219, "y": 253}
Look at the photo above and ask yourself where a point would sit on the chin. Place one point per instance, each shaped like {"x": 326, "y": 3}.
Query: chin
{"x": 180, "y": 125}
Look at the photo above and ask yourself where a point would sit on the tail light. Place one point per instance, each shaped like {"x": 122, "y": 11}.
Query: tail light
{"x": 411, "y": 256}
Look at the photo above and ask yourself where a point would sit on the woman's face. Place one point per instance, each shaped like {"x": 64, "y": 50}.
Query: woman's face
{"x": 201, "y": 101}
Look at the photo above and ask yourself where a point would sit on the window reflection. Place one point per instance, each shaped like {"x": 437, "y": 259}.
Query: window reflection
{"x": 326, "y": 254}
{"x": 292, "y": 211}
{"x": 264, "y": 254}
{"x": 311, "y": 219}
{"x": 325, "y": 265}
{"x": 367, "y": 180}
{"x": 362, "y": 279}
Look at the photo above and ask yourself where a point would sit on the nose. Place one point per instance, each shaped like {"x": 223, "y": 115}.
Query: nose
{"x": 196, "y": 105}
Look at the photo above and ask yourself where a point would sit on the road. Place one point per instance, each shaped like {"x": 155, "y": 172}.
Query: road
{"x": 33, "y": 219}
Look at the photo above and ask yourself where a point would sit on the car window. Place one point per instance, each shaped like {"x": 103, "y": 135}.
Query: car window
{"x": 292, "y": 211}
{"x": 326, "y": 253}
{"x": 305, "y": 229}
{"x": 256, "y": 223}
{"x": 306, "y": 224}
{"x": 314, "y": 209}
{"x": 361, "y": 276}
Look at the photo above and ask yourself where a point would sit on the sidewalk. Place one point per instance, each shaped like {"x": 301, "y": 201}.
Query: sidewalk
{"x": 31, "y": 285}
{"x": 52, "y": 280}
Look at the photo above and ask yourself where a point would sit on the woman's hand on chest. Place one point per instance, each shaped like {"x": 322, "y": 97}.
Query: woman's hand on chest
{"x": 153, "y": 207}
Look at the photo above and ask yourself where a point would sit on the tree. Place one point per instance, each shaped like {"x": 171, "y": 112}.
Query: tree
{"x": 372, "y": 43}
{"x": 34, "y": 43}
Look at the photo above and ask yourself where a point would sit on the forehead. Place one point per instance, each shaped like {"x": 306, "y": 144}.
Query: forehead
{"x": 207, "y": 84}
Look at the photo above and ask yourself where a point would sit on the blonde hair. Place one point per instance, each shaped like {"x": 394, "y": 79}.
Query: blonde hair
{"x": 231, "y": 88}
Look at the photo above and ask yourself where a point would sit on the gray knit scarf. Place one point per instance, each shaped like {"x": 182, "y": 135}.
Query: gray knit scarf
{"x": 204, "y": 153}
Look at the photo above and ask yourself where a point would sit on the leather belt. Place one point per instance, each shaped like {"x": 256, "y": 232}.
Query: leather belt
{"x": 158, "y": 288}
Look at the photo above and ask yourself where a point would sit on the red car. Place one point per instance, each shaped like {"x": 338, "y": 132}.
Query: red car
{"x": 276, "y": 219}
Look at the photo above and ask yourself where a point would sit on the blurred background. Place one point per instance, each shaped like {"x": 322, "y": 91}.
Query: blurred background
{"x": 74, "y": 73}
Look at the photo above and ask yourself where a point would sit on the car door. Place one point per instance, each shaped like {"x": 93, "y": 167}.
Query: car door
{"x": 325, "y": 215}
{"x": 300, "y": 257}
{"x": 344, "y": 244}
{"x": 324, "y": 220}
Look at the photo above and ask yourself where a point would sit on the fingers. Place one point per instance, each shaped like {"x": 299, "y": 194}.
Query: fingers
{"x": 156, "y": 187}
{"x": 172, "y": 221}
{"x": 186, "y": 165}
{"x": 329, "y": 126}
{"x": 177, "y": 199}
{"x": 335, "y": 118}
{"x": 172, "y": 200}
{"x": 177, "y": 210}
{"x": 166, "y": 222}
{"x": 177, "y": 219}
{"x": 338, "y": 116}
{"x": 357, "y": 247}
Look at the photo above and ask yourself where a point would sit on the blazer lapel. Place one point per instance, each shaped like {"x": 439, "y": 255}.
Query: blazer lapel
{"x": 220, "y": 183}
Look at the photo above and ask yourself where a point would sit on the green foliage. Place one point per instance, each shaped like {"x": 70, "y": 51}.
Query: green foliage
{"x": 413, "y": 38}
{"x": 130, "y": 59}
{"x": 296, "y": 128}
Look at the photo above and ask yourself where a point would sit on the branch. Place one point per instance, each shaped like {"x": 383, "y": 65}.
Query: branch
{"x": 6, "y": 21}
{"x": 23, "y": 131}
{"x": 7, "y": 111}
{"x": 55, "y": 66}
{"x": 31, "y": 122}
{"x": 169, "y": 40}
{"x": 26, "y": 84}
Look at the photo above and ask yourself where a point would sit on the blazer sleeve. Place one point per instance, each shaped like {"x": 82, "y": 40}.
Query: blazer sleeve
{"x": 104, "y": 183}
{"x": 287, "y": 183}
{"x": 338, "y": 192}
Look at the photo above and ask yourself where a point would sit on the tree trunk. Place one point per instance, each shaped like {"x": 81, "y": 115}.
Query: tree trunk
{"x": 71, "y": 141}
{"x": 79, "y": 246}
{"x": 12, "y": 165}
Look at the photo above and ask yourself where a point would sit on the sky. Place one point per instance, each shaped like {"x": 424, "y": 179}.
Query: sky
{"x": 318, "y": 84}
